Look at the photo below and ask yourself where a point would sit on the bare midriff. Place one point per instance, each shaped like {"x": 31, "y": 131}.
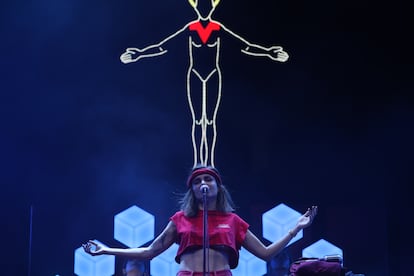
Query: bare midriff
{"x": 193, "y": 260}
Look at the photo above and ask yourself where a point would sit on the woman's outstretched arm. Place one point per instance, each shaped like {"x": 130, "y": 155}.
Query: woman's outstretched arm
{"x": 159, "y": 245}
{"x": 256, "y": 247}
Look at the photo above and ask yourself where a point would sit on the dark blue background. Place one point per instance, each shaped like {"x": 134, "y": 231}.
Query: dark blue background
{"x": 84, "y": 136}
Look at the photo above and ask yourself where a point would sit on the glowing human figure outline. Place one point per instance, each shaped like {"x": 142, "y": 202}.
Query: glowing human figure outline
{"x": 275, "y": 53}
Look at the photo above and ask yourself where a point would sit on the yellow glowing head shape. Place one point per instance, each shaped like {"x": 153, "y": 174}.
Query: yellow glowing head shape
{"x": 193, "y": 3}
{"x": 215, "y": 2}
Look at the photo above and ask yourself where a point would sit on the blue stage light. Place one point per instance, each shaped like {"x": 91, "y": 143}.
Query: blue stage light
{"x": 87, "y": 265}
{"x": 164, "y": 264}
{"x": 134, "y": 227}
{"x": 320, "y": 249}
{"x": 278, "y": 221}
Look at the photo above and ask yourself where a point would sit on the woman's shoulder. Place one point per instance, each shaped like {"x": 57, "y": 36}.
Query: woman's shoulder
{"x": 178, "y": 214}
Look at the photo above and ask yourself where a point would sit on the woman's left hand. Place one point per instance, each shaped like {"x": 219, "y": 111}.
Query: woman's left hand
{"x": 306, "y": 219}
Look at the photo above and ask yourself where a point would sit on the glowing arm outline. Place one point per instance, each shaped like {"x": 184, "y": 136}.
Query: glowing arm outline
{"x": 275, "y": 53}
{"x": 154, "y": 50}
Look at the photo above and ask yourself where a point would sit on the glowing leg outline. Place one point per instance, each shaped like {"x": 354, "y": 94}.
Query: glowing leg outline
{"x": 204, "y": 121}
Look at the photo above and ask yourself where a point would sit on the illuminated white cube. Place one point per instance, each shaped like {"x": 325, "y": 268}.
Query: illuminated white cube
{"x": 250, "y": 265}
{"x": 87, "y": 265}
{"x": 278, "y": 221}
{"x": 320, "y": 249}
{"x": 134, "y": 227}
{"x": 165, "y": 264}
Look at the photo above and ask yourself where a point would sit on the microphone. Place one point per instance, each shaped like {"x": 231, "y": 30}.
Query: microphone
{"x": 204, "y": 188}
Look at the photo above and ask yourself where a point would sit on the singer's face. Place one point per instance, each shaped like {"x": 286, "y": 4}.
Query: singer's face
{"x": 204, "y": 179}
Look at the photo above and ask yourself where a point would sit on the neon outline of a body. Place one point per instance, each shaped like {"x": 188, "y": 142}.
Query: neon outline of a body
{"x": 276, "y": 53}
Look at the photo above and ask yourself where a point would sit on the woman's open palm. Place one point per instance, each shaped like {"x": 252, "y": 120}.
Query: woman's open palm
{"x": 306, "y": 219}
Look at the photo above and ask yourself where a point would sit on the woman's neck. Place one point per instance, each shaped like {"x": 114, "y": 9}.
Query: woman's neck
{"x": 211, "y": 205}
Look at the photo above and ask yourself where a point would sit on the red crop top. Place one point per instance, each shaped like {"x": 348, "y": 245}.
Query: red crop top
{"x": 225, "y": 229}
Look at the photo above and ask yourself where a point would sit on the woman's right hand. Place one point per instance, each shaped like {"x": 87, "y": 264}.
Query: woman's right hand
{"x": 93, "y": 248}
{"x": 131, "y": 55}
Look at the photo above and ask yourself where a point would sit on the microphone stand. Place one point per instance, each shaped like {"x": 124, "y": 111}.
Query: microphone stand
{"x": 205, "y": 234}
